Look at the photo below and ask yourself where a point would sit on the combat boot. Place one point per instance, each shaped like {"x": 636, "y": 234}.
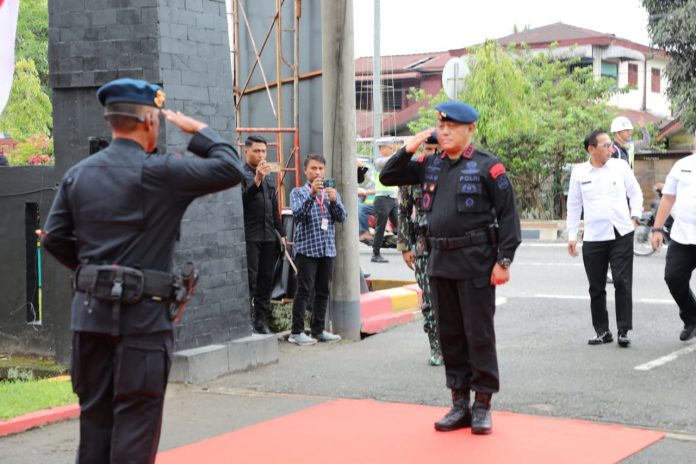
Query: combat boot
{"x": 481, "y": 423}
{"x": 459, "y": 416}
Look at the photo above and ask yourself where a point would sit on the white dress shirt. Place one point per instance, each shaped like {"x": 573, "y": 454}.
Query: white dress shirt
{"x": 681, "y": 182}
{"x": 601, "y": 193}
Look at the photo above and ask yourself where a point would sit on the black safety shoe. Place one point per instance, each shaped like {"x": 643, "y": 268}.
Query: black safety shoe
{"x": 688, "y": 333}
{"x": 481, "y": 421}
{"x": 379, "y": 259}
{"x": 624, "y": 340}
{"x": 459, "y": 416}
{"x": 600, "y": 338}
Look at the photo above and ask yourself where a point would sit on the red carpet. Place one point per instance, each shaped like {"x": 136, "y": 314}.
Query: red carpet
{"x": 358, "y": 432}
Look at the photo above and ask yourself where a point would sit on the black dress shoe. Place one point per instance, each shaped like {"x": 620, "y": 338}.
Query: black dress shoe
{"x": 379, "y": 259}
{"x": 623, "y": 340}
{"x": 688, "y": 333}
{"x": 262, "y": 329}
{"x": 600, "y": 338}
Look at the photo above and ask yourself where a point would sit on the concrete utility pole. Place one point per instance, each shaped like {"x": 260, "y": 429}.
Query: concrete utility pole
{"x": 338, "y": 86}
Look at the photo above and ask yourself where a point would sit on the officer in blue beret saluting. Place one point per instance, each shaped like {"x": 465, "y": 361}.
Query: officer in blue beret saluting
{"x": 114, "y": 221}
{"x": 473, "y": 230}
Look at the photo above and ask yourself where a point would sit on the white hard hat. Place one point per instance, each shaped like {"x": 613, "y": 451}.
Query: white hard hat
{"x": 621, "y": 123}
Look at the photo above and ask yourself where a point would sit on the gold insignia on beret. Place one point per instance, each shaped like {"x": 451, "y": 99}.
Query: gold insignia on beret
{"x": 159, "y": 99}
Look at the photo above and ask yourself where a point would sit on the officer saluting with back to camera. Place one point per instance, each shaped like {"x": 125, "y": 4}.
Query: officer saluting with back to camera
{"x": 473, "y": 232}
{"x": 115, "y": 221}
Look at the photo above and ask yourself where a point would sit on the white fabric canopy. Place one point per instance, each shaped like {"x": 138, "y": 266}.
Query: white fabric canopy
{"x": 9, "y": 9}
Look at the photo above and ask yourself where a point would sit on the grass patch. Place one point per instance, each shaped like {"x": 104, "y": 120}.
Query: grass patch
{"x": 22, "y": 397}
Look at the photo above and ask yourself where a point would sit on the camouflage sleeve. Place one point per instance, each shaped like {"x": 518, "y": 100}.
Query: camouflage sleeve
{"x": 404, "y": 236}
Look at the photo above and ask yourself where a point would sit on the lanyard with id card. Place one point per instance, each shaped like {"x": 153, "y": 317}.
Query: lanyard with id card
{"x": 324, "y": 221}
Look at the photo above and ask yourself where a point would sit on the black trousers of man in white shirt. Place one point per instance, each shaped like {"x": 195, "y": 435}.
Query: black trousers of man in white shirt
{"x": 597, "y": 256}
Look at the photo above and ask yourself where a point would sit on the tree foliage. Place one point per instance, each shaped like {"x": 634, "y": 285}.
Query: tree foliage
{"x": 534, "y": 113}
{"x": 28, "y": 110}
{"x": 672, "y": 28}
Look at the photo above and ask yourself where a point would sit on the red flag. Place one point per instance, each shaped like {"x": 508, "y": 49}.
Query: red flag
{"x": 9, "y": 10}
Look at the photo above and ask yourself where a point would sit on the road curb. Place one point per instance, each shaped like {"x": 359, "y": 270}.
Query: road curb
{"x": 38, "y": 418}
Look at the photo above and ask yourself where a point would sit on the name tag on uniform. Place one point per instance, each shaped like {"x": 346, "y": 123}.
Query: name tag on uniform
{"x": 324, "y": 224}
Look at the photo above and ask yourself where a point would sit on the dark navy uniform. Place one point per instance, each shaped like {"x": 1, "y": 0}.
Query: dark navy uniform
{"x": 472, "y": 222}
{"x": 122, "y": 206}
{"x": 464, "y": 196}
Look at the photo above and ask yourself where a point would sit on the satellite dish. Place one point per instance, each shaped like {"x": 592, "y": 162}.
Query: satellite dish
{"x": 453, "y": 76}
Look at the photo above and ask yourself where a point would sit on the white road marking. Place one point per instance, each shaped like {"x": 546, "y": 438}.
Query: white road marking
{"x": 665, "y": 359}
{"x": 500, "y": 301}
{"x": 532, "y": 263}
{"x": 587, "y": 297}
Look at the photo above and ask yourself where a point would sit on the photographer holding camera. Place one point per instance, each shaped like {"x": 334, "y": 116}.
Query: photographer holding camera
{"x": 316, "y": 207}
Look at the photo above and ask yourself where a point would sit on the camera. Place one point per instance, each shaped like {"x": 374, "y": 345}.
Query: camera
{"x": 329, "y": 183}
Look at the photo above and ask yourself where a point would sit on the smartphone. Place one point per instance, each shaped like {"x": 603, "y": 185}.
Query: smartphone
{"x": 275, "y": 167}
{"x": 329, "y": 183}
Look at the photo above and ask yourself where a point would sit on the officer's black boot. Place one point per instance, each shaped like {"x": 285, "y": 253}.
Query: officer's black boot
{"x": 481, "y": 423}
{"x": 459, "y": 416}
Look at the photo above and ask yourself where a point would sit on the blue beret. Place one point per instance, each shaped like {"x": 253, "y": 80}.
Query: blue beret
{"x": 131, "y": 91}
{"x": 457, "y": 112}
{"x": 432, "y": 140}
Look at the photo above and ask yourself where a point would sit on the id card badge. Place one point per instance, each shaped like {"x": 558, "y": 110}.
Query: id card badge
{"x": 324, "y": 224}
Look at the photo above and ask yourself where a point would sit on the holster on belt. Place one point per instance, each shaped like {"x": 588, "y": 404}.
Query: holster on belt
{"x": 119, "y": 285}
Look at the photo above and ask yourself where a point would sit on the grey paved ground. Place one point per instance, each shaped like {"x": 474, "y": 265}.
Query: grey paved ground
{"x": 546, "y": 368}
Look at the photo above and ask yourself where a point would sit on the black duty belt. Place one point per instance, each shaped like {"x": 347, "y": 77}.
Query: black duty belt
{"x": 123, "y": 285}
{"x": 476, "y": 237}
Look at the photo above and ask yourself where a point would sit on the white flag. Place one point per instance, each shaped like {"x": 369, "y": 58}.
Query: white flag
{"x": 9, "y": 9}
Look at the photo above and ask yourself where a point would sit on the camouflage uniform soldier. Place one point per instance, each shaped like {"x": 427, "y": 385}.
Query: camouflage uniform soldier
{"x": 411, "y": 241}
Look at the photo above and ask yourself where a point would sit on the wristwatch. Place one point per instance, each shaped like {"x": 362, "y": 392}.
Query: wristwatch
{"x": 658, "y": 229}
{"x": 505, "y": 263}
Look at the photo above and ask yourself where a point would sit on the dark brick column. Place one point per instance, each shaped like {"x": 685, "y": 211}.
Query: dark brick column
{"x": 183, "y": 46}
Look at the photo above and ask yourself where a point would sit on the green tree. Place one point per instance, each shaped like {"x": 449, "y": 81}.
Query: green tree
{"x": 671, "y": 27}
{"x": 32, "y": 37}
{"x": 534, "y": 112}
{"x": 28, "y": 110}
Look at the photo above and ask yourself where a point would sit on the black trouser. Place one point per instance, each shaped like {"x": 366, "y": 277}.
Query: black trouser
{"x": 597, "y": 256}
{"x": 385, "y": 208}
{"x": 120, "y": 382}
{"x": 261, "y": 261}
{"x": 680, "y": 264}
{"x": 312, "y": 274}
{"x": 464, "y": 310}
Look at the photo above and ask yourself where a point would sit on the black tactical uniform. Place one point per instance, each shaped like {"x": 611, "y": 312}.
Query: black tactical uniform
{"x": 123, "y": 207}
{"x": 472, "y": 223}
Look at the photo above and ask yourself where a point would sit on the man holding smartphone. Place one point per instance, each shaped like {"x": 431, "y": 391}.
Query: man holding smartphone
{"x": 316, "y": 207}
{"x": 261, "y": 222}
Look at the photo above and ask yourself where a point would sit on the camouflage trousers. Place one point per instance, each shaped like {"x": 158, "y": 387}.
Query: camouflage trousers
{"x": 429, "y": 324}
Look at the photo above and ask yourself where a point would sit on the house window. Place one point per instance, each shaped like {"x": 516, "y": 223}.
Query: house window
{"x": 393, "y": 96}
{"x": 655, "y": 81}
{"x": 633, "y": 74}
{"x": 363, "y": 95}
{"x": 610, "y": 70}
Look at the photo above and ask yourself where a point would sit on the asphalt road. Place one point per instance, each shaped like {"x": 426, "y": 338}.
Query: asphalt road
{"x": 547, "y": 368}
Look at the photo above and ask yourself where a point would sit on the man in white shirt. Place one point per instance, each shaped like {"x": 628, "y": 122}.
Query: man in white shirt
{"x": 679, "y": 198}
{"x": 599, "y": 187}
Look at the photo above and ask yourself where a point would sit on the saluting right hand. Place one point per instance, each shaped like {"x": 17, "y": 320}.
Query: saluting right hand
{"x": 183, "y": 122}
{"x": 418, "y": 139}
